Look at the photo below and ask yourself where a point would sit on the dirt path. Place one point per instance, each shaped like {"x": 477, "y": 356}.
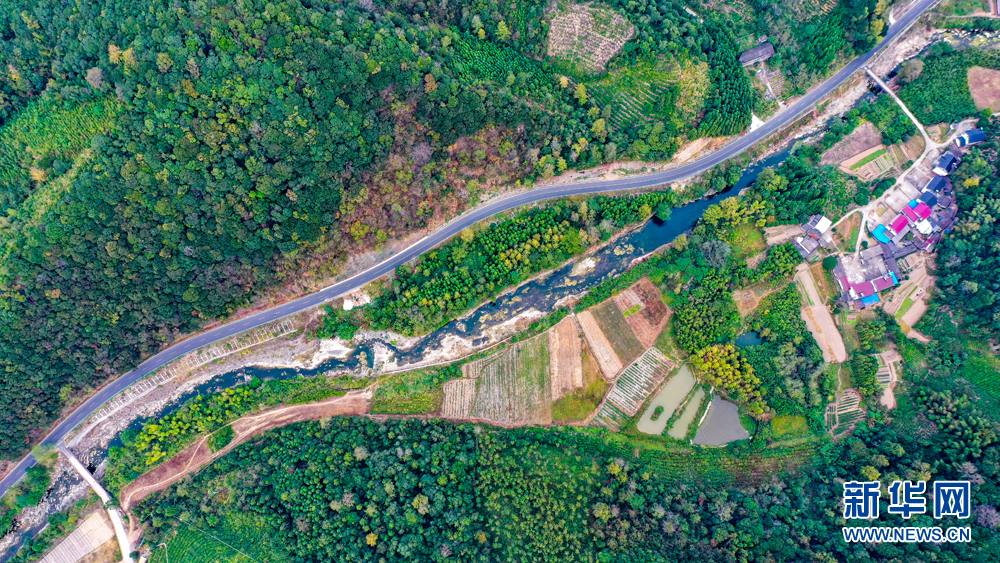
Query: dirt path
{"x": 198, "y": 455}
{"x": 820, "y": 321}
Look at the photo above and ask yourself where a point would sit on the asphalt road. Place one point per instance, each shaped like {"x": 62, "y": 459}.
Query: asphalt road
{"x": 454, "y": 227}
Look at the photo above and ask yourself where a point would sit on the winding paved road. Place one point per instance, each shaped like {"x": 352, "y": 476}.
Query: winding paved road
{"x": 455, "y": 226}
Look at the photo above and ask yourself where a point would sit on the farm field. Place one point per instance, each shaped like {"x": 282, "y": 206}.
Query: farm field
{"x": 587, "y": 36}
{"x": 639, "y": 379}
{"x": 459, "y": 397}
{"x": 642, "y": 92}
{"x": 610, "y": 417}
{"x": 565, "y": 358}
{"x": 844, "y": 413}
{"x": 578, "y": 404}
{"x": 864, "y": 137}
{"x": 691, "y": 410}
{"x": 669, "y": 398}
{"x": 238, "y": 539}
{"x": 513, "y": 386}
{"x": 648, "y": 312}
{"x": 614, "y": 326}
{"x": 984, "y": 84}
{"x": 599, "y": 345}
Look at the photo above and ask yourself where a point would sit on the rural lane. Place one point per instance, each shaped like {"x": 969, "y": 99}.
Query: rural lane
{"x": 455, "y": 226}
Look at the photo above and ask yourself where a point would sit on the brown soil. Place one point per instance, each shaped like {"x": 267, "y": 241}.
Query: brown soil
{"x": 864, "y": 137}
{"x": 781, "y": 234}
{"x": 984, "y": 84}
{"x": 820, "y": 322}
{"x": 198, "y": 455}
{"x": 108, "y": 552}
{"x": 651, "y": 318}
{"x": 603, "y": 352}
{"x": 565, "y": 367}
{"x": 588, "y": 36}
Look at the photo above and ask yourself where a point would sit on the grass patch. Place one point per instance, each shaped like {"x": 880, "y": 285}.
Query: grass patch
{"x": 907, "y": 303}
{"x": 747, "y": 240}
{"x": 631, "y": 310}
{"x": 785, "y": 427}
{"x": 580, "y": 402}
{"x": 868, "y": 159}
{"x": 413, "y": 392}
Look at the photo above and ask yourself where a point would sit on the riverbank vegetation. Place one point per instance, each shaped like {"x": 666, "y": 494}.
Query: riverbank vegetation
{"x": 480, "y": 263}
{"x": 161, "y": 438}
{"x": 28, "y": 492}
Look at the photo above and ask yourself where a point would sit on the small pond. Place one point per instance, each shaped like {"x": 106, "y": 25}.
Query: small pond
{"x": 748, "y": 339}
{"x": 722, "y": 425}
{"x": 680, "y": 428}
{"x": 669, "y": 398}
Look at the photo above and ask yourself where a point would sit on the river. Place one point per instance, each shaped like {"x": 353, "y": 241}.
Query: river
{"x": 541, "y": 294}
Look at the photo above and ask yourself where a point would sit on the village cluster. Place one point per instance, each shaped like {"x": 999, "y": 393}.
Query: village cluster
{"x": 917, "y": 223}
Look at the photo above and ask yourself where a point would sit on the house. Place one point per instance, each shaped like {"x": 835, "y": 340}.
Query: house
{"x": 947, "y": 164}
{"x": 757, "y": 54}
{"x": 879, "y": 234}
{"x": 924, "y": 227}
{"x": 818, "y": 233}
{"x": 899, "y": 224}
{"x": 937, "y": 184}
{"x": 817, "y": 226}
{"x": 921, "y": 209}
{"x": 928, "y": 198}
{"x": 971, "y": 137}
{"x": 806, "y": 246}
{"x": 910, "y": 213}
{"x": 866, "y": 289}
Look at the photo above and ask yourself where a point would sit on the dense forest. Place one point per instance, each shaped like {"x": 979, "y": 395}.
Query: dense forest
{"x": 450, "y": 492}
{"x": 257, "y": 137}
{"x": 969, "y": 258}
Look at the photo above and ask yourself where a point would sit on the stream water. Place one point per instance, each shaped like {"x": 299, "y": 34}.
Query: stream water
{"x": 541, "y": 295}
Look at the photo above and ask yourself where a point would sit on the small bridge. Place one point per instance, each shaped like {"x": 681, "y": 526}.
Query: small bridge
{"x": 116, "y": 517}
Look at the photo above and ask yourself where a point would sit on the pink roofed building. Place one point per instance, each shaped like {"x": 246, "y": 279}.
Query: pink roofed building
{"x": 910, "y": 214}
{"x": 899, "y": 224}
{"x": 922, "y": 210}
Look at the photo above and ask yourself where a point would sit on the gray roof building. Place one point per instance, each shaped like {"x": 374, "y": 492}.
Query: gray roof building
{"x": 759, "y": 53}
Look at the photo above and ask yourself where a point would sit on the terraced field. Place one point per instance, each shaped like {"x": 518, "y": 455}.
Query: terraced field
{"x": 238, "y": 541}
{"x": 638, "y": 381}
{"x": 639, "y": 93}
{"x": 843, "y": 414}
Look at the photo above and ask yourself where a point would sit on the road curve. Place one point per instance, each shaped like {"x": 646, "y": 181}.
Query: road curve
{"x": 455, "y": 226}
